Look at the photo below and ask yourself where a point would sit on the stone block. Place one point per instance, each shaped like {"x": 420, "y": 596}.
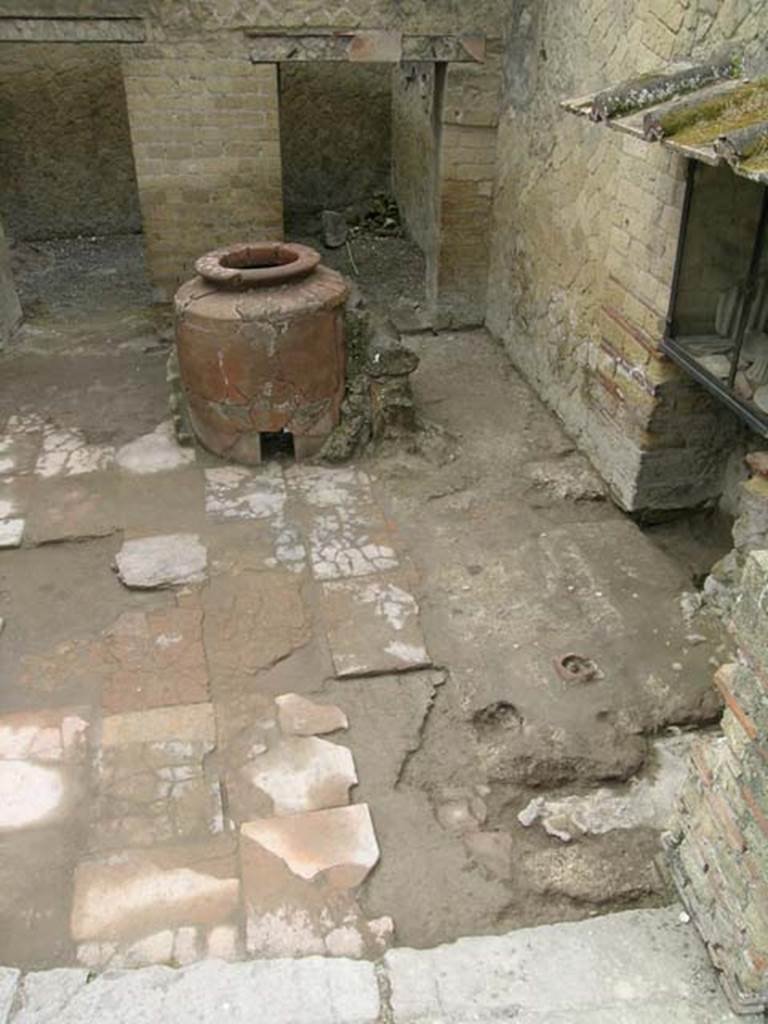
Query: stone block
{"x": 162, "y": 561}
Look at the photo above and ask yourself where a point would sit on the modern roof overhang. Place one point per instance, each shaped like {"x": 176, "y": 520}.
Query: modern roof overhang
{"x": 710, "y": 114}
{"x": 707, "y": 112}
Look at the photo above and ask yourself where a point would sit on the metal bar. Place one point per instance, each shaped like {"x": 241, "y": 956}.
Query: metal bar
{"x": 690, "y": 179}
{"x": 749, "y": 288}
{"x": 676, "y": 351}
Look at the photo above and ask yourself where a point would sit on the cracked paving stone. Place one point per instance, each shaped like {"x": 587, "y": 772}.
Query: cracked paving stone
{"x": 41, "y": 776}
{"x": 298, "y": 716}
{"x": 348, "y": 534}
{"x": 158, "y": 659}
{"x": 162, "y": 561}
{"x": 155, "y": 452}
{"x": 252, "y": 621}
{"x": 130, "y": 907}
{"x": 299, "y": 877}
{"x": 20, "y": 444}
{"x": 151, "y": 783}
{"x": 232, "y": 492}
{"x": 303, "y": 774}
{"x": 373, "y": 626}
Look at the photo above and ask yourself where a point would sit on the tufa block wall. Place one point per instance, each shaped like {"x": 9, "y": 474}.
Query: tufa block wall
{"x": 206, "y": 142}
{"x": 585, "y": 228}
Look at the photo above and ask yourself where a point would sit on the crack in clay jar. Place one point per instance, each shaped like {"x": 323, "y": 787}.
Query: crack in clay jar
{"x": 260, "y": 343}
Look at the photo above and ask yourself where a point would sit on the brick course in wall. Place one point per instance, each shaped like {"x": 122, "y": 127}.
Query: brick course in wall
{"x": 719, "y": 850}
{"x": 206, "y": 141}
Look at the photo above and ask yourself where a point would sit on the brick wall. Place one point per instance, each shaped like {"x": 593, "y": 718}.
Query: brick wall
{"x": 470, "y": 120}
{"x": 719, "y": 850}
{"x": 205, "y": 131}
{"x": 584, "y": 239}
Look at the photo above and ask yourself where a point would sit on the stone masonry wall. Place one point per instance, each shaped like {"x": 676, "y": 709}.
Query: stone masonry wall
{"x": 65, "y": 151}
{"x": 10, "y": 308}
{"x": 416, "y": 100}
{"x": 335, "y": 131}
{"x": 584, "y": 240}
{"x": 204, "y": 124}
{"x": 719, "y": 851}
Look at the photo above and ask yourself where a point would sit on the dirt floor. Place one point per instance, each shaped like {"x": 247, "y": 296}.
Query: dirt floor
{"x": 427, "y": 596}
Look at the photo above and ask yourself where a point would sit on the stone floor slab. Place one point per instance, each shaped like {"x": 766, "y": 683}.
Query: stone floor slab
{"x": 638, "y": 967}
{"x": 151, "y": 781}
{"x": 133, "y": 895}
{"x": 158, "y": 660}
{"x": 372, "y": 627}
{"x": 233, "y": 492}
{"x": 57, "y": 734}
{"x": 312, "y": 991}
{"x": 70, "y": 509}
{"x": 9, "y": 981}
{"x": 169, "y": 560}
{"x": 65, "y": 452}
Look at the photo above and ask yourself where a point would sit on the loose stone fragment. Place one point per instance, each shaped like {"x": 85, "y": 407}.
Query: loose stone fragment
{"x": 304, "y": 774}
{"x": 339, "y": 843}
{"x": 373, "y": 626}
{"x": 163, "y": 561}
{"x": 298, "y": 716}
{"x": 11, "y": 532}
{"x": 335, "y": 229}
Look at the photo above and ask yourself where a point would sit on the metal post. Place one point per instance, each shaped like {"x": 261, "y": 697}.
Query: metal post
{"x": 690, "y": 176}
{"x": 749, "y": 288}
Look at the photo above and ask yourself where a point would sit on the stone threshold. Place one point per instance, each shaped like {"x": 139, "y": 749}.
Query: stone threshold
{"x": 638, "y": 966}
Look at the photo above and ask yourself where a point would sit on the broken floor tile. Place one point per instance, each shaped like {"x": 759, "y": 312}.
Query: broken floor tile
{"x": 158, "y": 660}
{"x": 339, "y": 844}
{"x": 232, "y": 492}
{"x": 298, "y": 716}
{"x": 134, "y": 895}
{"x": 66, "y": 453}
{"x": 303, "y": 774}
{"x": 344, "y": 543}
{"x": 162, "y": 561}
{"x": 373, "y": 626}
{"x": 11, "y": 532}
{"x": 299, "y": 875}
{"x": 57, "y": 735}
{"x": 156, "y": 452}
{"x": 151, "y": 783}
{"x": 252, "y": 620}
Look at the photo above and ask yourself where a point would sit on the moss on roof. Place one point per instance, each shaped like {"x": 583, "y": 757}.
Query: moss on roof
{"x": 703, "y": 123}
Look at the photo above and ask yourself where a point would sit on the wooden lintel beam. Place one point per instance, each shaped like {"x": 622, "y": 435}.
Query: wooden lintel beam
{"x": 372, "y": 46}
{"x": 71, "y": 30}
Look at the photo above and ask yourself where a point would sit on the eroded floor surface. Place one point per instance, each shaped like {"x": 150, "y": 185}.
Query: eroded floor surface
{"x": 305, "y": 709}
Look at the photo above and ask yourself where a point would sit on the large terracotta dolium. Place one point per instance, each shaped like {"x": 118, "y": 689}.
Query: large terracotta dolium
{"x": 260, "y": 341}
